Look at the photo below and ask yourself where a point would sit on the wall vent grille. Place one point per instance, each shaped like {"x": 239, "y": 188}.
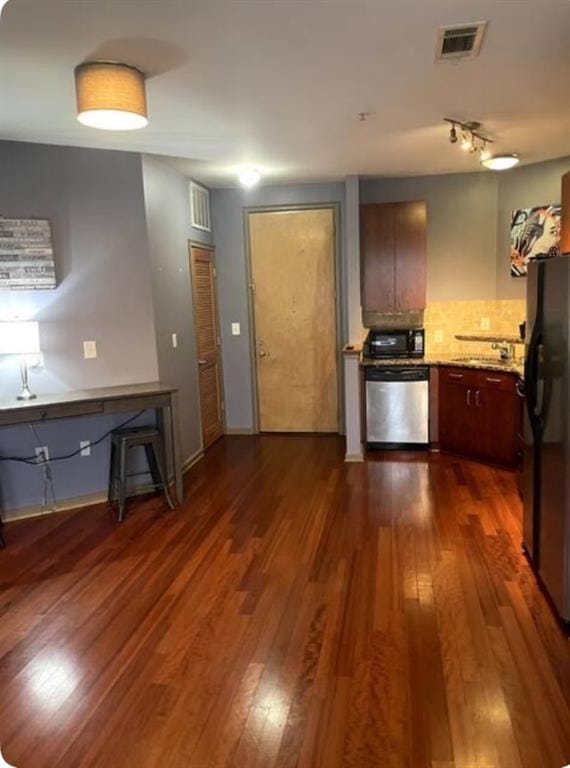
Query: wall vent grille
{"x": 200, "y": 207}
{"x": 461, "y": 41}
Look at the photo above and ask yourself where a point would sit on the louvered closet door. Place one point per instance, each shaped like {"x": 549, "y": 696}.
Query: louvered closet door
{"x": 207, "y": 337}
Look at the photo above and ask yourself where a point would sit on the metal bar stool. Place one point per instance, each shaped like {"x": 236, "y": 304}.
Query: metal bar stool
{"x": 122, "y": 440}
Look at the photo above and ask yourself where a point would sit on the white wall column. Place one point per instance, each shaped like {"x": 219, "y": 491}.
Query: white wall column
{"x": 352, "y": 406}
{"x": 352, "y": 184}
{"x": 351, "y": 358}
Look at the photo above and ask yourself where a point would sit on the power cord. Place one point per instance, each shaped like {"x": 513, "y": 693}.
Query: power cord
{"x": 40, "y": 460}
{"x": 47, "y": 477}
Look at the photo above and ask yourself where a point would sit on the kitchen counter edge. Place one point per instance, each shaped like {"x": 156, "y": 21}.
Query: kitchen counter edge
{"x": 516, "y": 368}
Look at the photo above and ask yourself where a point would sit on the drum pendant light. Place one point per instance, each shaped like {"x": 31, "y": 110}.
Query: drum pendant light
{"x": 110, "y": 96}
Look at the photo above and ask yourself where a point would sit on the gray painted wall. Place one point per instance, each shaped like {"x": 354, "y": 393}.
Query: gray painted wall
{"x": 168, "y": 224}
{"x": 461, "y": 230}
{"x": 469, "y": 222}
{"x": 524, "y": 187}
{"x": 95, "y": 202}
{"x": 228, "y": 207}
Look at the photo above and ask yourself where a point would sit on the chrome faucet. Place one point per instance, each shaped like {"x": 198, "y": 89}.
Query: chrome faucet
{"x": 506, "y": 351}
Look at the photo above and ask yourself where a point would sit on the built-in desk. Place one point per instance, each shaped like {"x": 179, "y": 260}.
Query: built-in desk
{"x": 105, "y": 400}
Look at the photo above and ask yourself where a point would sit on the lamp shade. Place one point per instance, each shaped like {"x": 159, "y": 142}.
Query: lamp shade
{"x": 19, "y": 338}
{"x": 110, "y": 96}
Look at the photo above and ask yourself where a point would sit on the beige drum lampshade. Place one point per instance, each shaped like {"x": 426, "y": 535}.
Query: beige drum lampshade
{"x": 110, "y": 96}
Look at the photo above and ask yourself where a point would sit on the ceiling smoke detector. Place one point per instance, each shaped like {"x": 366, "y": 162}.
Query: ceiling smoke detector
{"x": 460, "y": 41}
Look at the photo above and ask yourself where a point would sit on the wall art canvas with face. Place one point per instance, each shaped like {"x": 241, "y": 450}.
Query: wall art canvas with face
{"x": 534, "y": 232}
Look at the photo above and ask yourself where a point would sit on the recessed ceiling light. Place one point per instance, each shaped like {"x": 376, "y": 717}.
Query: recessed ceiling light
{"x": 249, "y": 177}
{"x": 500, "y": 162}
{"x": 110, "y": 96}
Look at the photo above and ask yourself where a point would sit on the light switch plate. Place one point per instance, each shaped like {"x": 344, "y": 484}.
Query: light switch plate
{"x": 85, "y": 446}
{"x": 89, "y": 350}
{"x": 174, "y": 340}
{"x": 485, "y": 324}
{"x": 236, "y": 329}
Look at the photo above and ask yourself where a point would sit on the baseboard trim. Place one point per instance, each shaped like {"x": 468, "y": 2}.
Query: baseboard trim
{"x": 88, "y": 500}
{"x": 239, "y": 431}
{"x": 77, "y": 502}
{"x": 354, "y": 458}
{"x": 191, "y": 460}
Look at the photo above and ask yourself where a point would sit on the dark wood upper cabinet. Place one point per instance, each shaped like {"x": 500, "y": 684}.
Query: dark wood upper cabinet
{"x": 377, "y": 260}
{"x": 565, "y": 232}
{"x": 393, "y": 256}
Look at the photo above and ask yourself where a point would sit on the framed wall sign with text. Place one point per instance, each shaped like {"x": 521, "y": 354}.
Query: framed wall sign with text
{"x": 26, "y": 255}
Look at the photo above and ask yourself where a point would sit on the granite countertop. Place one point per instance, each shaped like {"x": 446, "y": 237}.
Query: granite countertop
{"x": 461, "y": 361}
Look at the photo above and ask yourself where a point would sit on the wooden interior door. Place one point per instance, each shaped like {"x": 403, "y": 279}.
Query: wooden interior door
{"x": 208, "y": 343}
{"x": 294, "y": 299}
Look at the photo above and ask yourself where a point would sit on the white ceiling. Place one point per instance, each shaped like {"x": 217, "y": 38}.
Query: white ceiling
{"x": 278, "y": 83}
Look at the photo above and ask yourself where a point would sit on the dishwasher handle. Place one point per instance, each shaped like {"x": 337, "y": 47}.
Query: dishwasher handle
{"x": 399, "y": 373}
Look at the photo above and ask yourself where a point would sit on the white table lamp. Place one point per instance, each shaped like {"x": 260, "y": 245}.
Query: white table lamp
{"x": 21, "y": 338}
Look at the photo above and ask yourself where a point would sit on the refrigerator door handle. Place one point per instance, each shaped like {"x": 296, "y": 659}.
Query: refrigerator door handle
{"x": 531, "y": 379}
{"x": 539, "y": 387}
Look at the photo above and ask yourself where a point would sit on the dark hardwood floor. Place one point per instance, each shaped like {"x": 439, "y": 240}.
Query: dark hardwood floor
{"x": 297, "y": 611}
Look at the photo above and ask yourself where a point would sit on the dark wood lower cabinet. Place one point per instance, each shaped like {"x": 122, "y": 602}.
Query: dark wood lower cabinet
{"x": 479, "y": 414}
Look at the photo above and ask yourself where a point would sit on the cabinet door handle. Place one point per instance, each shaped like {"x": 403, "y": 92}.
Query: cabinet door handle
{"x": 455, "y": 375}
{"x": 492, "y": 380}
{"x": 468, "y": 397}
{"x": 477, "y": 395}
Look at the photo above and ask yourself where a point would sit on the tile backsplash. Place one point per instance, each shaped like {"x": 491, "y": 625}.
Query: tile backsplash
{"x": 444, "y": 319}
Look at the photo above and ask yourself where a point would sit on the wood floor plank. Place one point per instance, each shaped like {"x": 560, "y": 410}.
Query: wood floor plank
{"x": 295, "y": 612}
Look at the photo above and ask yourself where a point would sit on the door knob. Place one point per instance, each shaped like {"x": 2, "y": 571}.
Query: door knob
{"x": 201, "y": 361}
{"x": 262, "y": 353}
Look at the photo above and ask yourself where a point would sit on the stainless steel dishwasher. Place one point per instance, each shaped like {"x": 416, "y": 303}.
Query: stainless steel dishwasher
{"x": 397, "y": 407}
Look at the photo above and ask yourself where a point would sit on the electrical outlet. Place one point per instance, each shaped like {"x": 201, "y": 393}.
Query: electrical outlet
{"x": 42, "y": 453}
{"x": 174, "y": 340}
{"x": 236, "y": 329}
{"x": 438, "y": 337}
{"x": 89, "y": 350}
{"x": 85, "y": 446}
{"x": 485, "y": 323}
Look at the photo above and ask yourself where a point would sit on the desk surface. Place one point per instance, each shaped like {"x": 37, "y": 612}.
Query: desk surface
{"x": 104, "y": 400}
{"x": 86, "y": 396}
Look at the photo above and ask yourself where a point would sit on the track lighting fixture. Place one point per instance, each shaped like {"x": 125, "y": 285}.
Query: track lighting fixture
{"x": 466, "y": 142}
{"x": 474, "y": 142}
{"x": 471, "y": 139}
{"x": 484, "y": 152}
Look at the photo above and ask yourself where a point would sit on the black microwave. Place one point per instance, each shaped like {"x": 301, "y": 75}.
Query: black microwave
{"x": 395, "y": 343}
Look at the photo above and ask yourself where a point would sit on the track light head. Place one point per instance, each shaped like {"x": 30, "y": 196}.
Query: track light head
{"x": 453, "y": 134}
{"x": 466, "y": 142}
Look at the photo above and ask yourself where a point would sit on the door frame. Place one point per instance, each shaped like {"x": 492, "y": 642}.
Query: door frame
{"x": 335, "y": 208}
{"x": 212, "y": 249}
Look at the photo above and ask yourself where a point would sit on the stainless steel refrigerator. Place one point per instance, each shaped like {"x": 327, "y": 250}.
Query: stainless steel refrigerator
{"x": 546, "y": 487}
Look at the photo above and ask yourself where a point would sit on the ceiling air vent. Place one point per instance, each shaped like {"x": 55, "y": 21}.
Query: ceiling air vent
{"x": 461, "y": 41}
